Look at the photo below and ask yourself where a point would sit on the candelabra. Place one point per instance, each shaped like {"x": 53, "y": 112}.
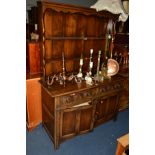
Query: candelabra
{"x": 50, "y": 79}
{"x": 61, "y": 78}
{"x": 75, "y": 77}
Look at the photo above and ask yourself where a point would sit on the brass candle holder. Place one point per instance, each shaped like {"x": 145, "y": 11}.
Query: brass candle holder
{"x": 61, "y": 78}
{"x": 88, "y": 77}
{"x": 80, "y": 75}
{"x": 98, "y": 76}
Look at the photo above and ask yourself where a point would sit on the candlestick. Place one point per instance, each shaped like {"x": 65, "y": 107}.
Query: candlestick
{"x": 90, "y": 62}
{"x": 91, "y": 51}
{"x": 62, "y": 76}
{"x": 98, "y": 76}
{"x": 79, "y": 75}
{"x": 88, "y": 76}
{"x": 98, "y": 65}
{"x": 108, "y": 38}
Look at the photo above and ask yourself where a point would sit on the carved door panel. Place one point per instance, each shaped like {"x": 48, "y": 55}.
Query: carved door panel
{"x": 106, "y": 108}
{"x": 86, "y": 115}
{"x": 76, "y": 120}
{"x": 124, "y": 97}
{"x": 112, "y": 105}
{"x": 101, "y": 108}
{"x": 68, "y": 123}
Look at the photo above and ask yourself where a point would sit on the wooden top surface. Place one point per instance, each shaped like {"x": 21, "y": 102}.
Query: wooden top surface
{"x": 71, "y": 87}
{"x": 33, "y": 76}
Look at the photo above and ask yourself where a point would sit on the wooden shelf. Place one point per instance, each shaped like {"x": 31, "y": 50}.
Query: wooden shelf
{"x": 73, "y": 38}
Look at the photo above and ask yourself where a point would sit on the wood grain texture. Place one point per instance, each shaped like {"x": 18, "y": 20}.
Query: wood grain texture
{"x": 72, "y": 30}
{"x": 34, "y": 106}
{"x": 73, "y": 110}
{"x": 34, "y": 58}
{"x": 76, "y": 108}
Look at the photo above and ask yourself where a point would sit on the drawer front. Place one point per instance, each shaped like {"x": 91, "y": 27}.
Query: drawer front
{"x": 110, "y": 88}
{"x": 87, "y": 95}
{"x": 77, "y": 98}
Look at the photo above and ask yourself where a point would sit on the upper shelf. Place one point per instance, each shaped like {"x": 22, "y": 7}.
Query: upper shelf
{"x": 72, "y": 30}
{"x": 73, "y": 38}
{"x": 59, "y": 24}
{"x": 69, "y": 8}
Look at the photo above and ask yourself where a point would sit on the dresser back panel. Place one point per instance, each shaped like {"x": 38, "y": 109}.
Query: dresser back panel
{"x": 73, "y": 30}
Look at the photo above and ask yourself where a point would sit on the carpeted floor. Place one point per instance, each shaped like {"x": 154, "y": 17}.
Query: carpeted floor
{"x": 102, "y": 141}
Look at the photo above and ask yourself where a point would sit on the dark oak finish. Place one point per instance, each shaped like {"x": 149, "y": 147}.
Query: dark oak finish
{"x": 106, "y": 108}
{"x": 122, "y": 47}
{"x": 72, "y": 30}
{"x": 124, "y": 98}
{"x": 76, "y": 108}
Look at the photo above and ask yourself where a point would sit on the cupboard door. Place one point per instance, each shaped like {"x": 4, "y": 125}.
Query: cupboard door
{"x": 106, "y": 108}
{"x": 68, "y": 123}
{"x": 86, "y": 122}
{"x": 76, "y": 120}
{"x": 124, "y": 98}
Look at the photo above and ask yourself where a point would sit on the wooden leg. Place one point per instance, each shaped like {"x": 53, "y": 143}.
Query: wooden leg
{"x": 56, "y": 145}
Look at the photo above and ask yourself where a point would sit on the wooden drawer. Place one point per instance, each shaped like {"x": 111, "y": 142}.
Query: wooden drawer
{"x": 76, "y": 98}
{"x": 110, "y": 88}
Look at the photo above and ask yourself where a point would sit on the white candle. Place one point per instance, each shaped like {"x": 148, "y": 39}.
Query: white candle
{"x": 109, "y": 36}
{"x": 36, "y": 27}
{"x": 91, "y": 64}
{"x": 81, "y": 62}
{"x": 91, "y": 51}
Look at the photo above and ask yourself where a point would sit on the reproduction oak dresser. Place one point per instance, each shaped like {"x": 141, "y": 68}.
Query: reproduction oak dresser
{"x": 74, "y": 108}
